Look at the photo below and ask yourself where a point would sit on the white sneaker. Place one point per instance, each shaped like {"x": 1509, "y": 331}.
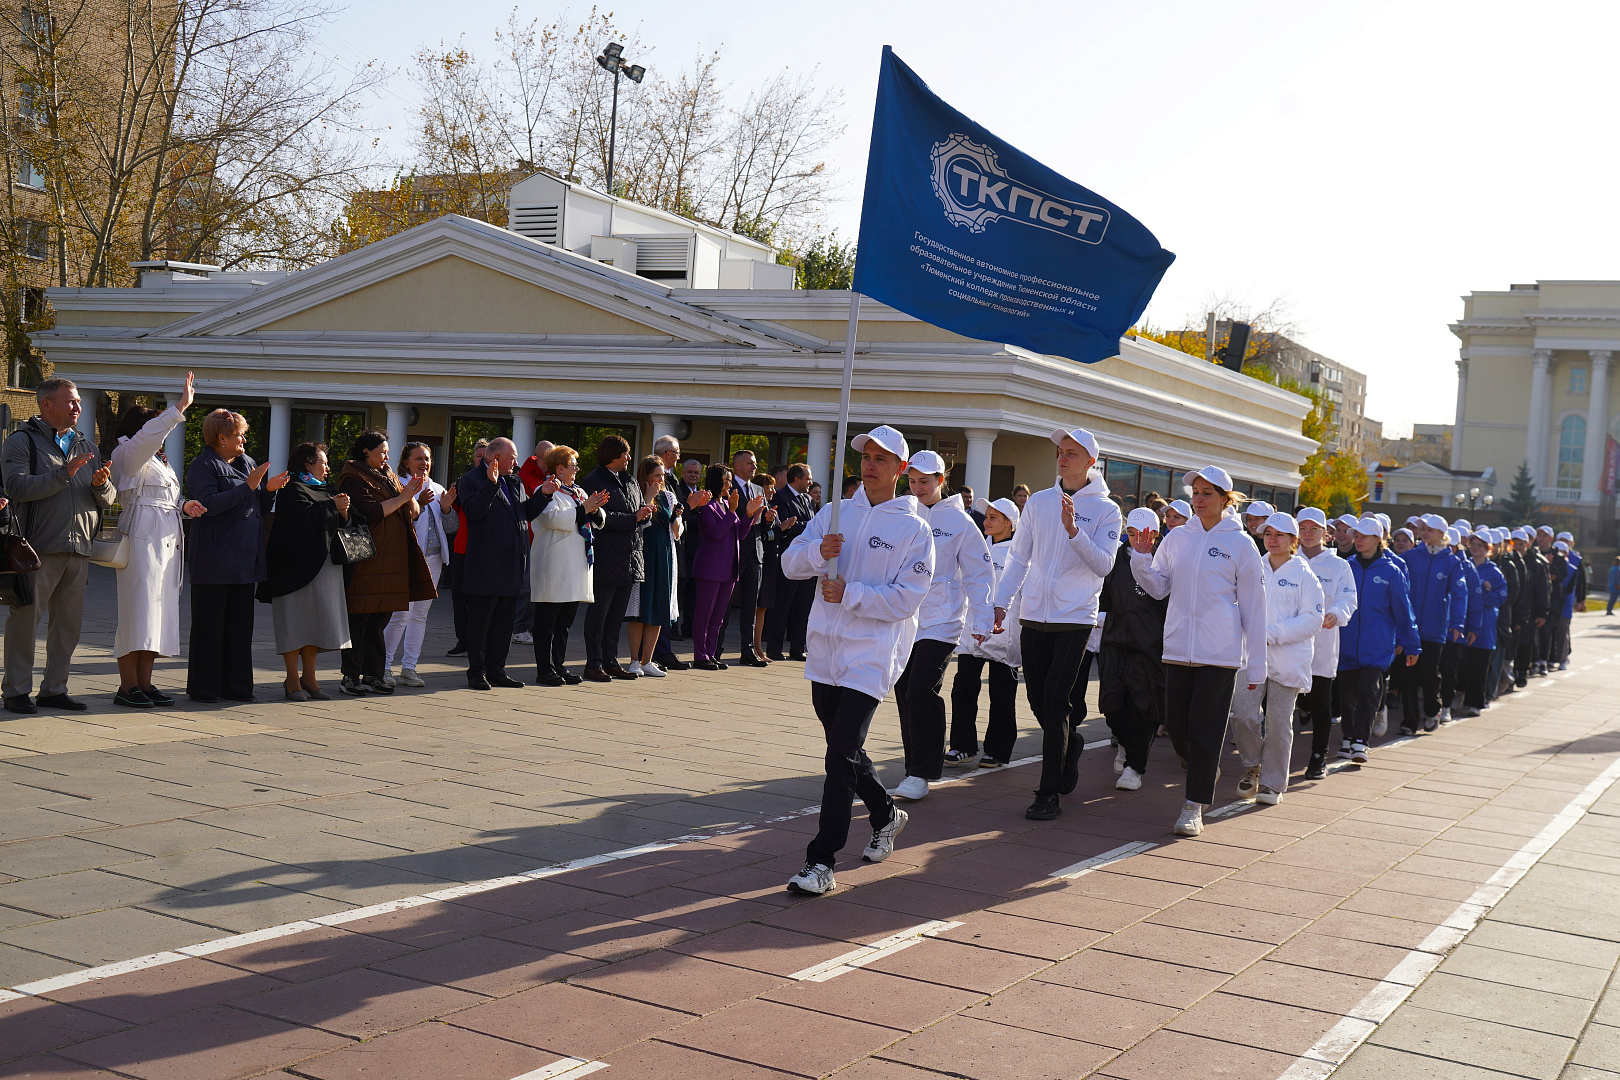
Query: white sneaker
{"x": 652, "y": 670}
{"x": 813, "y": 880}
{"x": 1191, "y": 821}
{"x": 1381, "y": 723}
{"x": 409, "y": 677}
{"x": 1129, "y": 780}
{"x": 523, "y": 637}
{"x": 882, "y": 845}
{"x": 1445, "y": 716}
{"x": 1358, "y": 753}
{"x": 634, "y": 668}
{"x": 1344, "y": 748}
{"x": 912, "y": 787}
{"x": 956, "y": 759}
{"x": 1268, "y": 797}
{"x": 1250, "y": 784}
{"x": 388, "y": 677}
{"x": 1119, "y": 761}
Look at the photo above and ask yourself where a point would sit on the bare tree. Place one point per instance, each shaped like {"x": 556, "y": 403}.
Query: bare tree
{"x": 774, "y": 175}
{"x": 464, "y": 139}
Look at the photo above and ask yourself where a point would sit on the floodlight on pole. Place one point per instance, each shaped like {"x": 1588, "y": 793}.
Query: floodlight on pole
{"x": 612, "y": 59}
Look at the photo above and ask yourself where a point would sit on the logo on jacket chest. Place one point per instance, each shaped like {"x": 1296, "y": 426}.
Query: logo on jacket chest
{"x": 878, "y": 542}
{"x": 1217, "y": 552}
{"x": 1289, "y": 584}
{"x": 941, "y": 532}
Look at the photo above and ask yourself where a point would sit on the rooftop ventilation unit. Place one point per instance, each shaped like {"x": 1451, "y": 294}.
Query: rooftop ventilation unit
{"x": 662, "y": 256}
{"x": 542, "y": 223}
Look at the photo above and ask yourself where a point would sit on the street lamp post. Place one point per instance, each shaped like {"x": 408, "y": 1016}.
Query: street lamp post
{"x": 1471, "y": 499}
{"x": 612, "y": 59}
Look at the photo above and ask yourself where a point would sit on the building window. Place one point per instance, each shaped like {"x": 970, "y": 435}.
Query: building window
{"x": 29, "y": 174}
{"x": 1571, "y": 452}
{"x": 1577, "y": 380}
{"x": 773, "y": 448}
{"x": 36, "y": 27}
{"x": 35, "y": 239}
{"x": 1124, "y": 478}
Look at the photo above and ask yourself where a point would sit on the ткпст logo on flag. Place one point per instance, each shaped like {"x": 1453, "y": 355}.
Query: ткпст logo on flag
{"x": 977, "y": 191}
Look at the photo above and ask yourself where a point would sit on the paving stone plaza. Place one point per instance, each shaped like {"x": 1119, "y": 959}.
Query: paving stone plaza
{"x": 547, "y": 883}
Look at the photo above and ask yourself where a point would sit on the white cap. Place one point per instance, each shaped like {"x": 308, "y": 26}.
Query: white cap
{"x": 1347, "y": 520}
{"x": 1143, "y": 518}
{"x": 1454, "y": 536}
{"x": 1311, "y": 513}
{"x": 1180, "y": 506}
{"x": 1406, "y": 533}
{"x": 1283, "y": 523}
{"x": 1259, "y": 508}
{"x": 1079, "y": 435}
{"x": 1567, "y": 536}
{"x": 1384, "y": 520}
{"x": 887, "y": 438}
{"x": 1548, "y": 529}
{"x": 1560, "y": 545}
{"x": 1414, "y": 517}
{"x": 1486, "y": 534}
{"x": 1213, "y": 473}
{"x": 1368, "y": 526}
{"x": 1006, "y": 506}
{"x": 926, "y": 461}
{"x": 1521, "y": 533}
{"x": 1433, "y": 521}
{"x": 1464, "y": 524}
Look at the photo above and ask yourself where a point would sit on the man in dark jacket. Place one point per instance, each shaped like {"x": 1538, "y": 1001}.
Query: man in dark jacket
{"x": 57, "y": 491}
{"x": 1513, "y": 574}
{"x": 789, "y": 617}
{"x": 743, "y": 467}
{"x": 619, "y": 562}
{"x": 497, "y": 557}
{"x": 1535, "y": 572}
{"x": 1131, "y": 684}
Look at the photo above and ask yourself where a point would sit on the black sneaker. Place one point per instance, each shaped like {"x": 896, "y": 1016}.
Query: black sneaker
{"x": 133, "y": 698}
{"x": 1071, "y": 762}
{"x": 1044, "y": 808}
{"x": 1317, "y": 769}
{"x": 376, "y": 685}
{"x": 352, "y": 686}
{"x": 157, "y": 697}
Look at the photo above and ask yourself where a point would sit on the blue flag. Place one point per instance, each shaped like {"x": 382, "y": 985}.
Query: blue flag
{"x": 961, "y": 230}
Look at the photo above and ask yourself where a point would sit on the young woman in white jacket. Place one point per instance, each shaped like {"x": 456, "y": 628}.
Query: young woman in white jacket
{"x": 1339, "y": 601}
{"x": 1063, "y": 549}
{"x": 998, "y": 654}
{"x": 1214, "y": 629}
{"x": 1265, "y": 715}
{"x": 959, "y": 597}
{"x": 862, "y": 626}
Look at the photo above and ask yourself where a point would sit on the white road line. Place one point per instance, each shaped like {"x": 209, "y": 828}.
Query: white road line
{"x": 564, "y": 1069}
{"x": 1351, "y": 1031}
{"x": 862, "y": 955}
{"x": 1086, "y": 866}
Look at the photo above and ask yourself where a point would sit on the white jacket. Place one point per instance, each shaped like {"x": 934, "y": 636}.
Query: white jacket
{"x": 963, "y": 578}
{"x": 1217, "y": 613}
{"x": 1061, "y": 576}
{"x": 1293, "y": 619}
{"x": 558, "y": 570}
{"x": 887, "y": 564}
{"x": 1339, "y": 598}
{"x": 1004, "y": 648}
{"x": 431, "y": 519}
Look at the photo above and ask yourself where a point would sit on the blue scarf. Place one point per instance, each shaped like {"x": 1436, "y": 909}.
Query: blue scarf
{"x": 306, "y": 478}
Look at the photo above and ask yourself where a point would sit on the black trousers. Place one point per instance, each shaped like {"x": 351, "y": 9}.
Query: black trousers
{"x": 602, "y": 621}
{"x": 1420, "y": 685}
{"x": 1318, "y": 705}
{"x": 221, "y": 654}
{"x": 1473, "y": 668}
{"x": 788, "y": 619}
{"x": 1526, "y": 652}
{"x": 1052, "y": 661}
{"x": 1363, "y": 693}
{"x": 845, "y": 717}
{"x": 489, "y": 633}
{"x": 1450, "y": 657}
{"x": 458, "y": 596}
{"x": 1130, "y": 692}
{"x": 747, "y": 596}
{"x": 1077, "y": 696}
{"x": 685, "y": 583}
{"x": 1196, "y": 703}
{"x": 922, "y": 710}
{"x": 1544, "y": 639}
{"x": 551, "y": 624}
{"x": 1560, "y": 640}
{"x": 367, "y": 655}
{"x": 1001, "y": 732}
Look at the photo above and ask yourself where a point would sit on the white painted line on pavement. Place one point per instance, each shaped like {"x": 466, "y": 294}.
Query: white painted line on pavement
{"x": 862, "y": 955}
{"x": 1343, "y": 1038}
{"x": 564, "y": 1069}
{"x": 1086, "y": 866}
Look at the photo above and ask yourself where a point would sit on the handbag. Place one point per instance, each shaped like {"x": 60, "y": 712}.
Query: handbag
{"x": 110, "y": 548}
{"x": 19, "y": 554}
{"x": 354, "y": 544}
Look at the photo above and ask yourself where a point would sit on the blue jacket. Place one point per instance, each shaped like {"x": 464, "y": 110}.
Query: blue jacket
{"x": 1383, "y": 617}
{"x": 1484, "y": 611}
{"x": 226, "y": 545}
{"x": 1614, "y": 579}
{"x": 1471, "y": 608}
{"x": 1439, "y": 594}
{"x": 1570, "y": 587}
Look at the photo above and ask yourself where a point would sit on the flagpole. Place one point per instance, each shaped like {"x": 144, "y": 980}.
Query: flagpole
{"x": 835, "y": 482}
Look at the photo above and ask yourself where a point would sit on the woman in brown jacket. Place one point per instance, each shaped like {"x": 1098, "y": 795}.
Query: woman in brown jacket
{"x": 395, "y": 576}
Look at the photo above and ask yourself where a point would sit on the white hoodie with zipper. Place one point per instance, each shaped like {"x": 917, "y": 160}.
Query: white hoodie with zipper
{"x": 1339, "y": 598}
{"x": 1217, "y": 612}
{"x": 963, "y": 576}
{"x": 1293, "y": 619}
{"x": 1059, "y": 576}
{"x": 887, "y": 565}
{"x": 1007, "y": 646}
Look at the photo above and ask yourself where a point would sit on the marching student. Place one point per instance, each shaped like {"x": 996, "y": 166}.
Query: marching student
{"x": 1339, "y": 601}
{"x": 1264, "y": 714}
{"x": 1500, "y": 678}
{"x": 1536, "y": 603}
{"x": 1254, "y": 520}
{"x": 998, "y": 654}
{"x": 861, "y": 628}
{"x": 1566, "y": 578}
{"x": 958, "y": 597}
{"x": 1439, "y": 598}
{"x": 1383, "y": 629}
{"x": 1062, "y": 550}
{"x": 1451, "y": 658}
{"x": 1131, "y": 682}
{"x": 1214, "y": 628}
{"x": 1176, "y": 512}
{"x": 1489, "y": 592}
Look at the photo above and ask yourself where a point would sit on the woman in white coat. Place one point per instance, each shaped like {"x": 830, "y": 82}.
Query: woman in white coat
{"x": 435, "y": 519}
{"x": 560, "y": 565}
{"x": 1293, "y": 617}
{"x": 149, "y": 584}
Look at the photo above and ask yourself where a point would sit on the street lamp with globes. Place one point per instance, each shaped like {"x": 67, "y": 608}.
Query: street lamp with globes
{"x": 1472, "y": 499}
{"x": 612, "y": 59}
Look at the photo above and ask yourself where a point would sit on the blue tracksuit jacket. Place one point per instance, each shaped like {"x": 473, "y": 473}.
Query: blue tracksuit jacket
{"x": 1383, "y": 619}
{"x": 1485, "y": 605}
{"x": 1439, "y": 592}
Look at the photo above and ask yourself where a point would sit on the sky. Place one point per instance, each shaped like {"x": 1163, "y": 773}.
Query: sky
{"x": 1368, "y": 164}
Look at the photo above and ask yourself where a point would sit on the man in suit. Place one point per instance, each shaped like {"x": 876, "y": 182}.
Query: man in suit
{"x": 743, "y": 467}
{"x": 967, "y": 504}
{"x": 790, "y": 615}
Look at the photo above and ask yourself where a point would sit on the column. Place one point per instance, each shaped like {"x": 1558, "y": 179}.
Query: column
{"x": 398, "y": 415}
{"x": 523, "y": 432}
{"x": 1461, "y": 415}
{"x": 663, "y": 424}
{"x": 818, "y": 455}
{"x": 1597, "y": 425}
{"x": 980, "y": 443}
{"x": 174, "y": 448}
{"x": 1535, "y": 444}
{"x": 89, "y": 399}
{"x": 280, "y": 434}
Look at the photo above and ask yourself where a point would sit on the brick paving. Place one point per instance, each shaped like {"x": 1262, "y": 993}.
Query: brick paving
{"x": 1232, "y": 955}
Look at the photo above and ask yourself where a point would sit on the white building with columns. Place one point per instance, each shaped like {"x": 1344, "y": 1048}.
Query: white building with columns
{"x": 457, "y": 329}
{"x": 1534, "y": 386}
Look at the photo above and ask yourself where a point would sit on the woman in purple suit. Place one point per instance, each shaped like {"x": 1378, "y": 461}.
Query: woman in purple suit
{"x": 716, "y": 563}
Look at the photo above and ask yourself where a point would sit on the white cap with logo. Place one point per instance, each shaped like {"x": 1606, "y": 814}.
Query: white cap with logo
{"x": 1006, "y": 506}
{"x": 926, "y": 461}
{"x": 1143, "y": 518}
{"x": 885, "y": 437}
{"x": 1079, "y": 435}
{"x": 1312, "y": 514}
{"x": 1283, "y": 523}
{"x": 1180, "y": 506}
{"x": 1212, "y": 473}
{"x": 1433, "y": 521}
{"x": 1259, "y": 508}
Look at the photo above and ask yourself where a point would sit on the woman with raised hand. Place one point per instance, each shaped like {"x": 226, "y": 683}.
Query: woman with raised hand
{"x": 435, "y": 515}
{"x": 717, "y": 563}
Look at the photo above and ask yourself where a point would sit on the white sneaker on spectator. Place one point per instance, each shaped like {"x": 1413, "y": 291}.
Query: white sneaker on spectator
{"x": 912, "y": 787}
{"x": 409, "y": 677}
{"x": 1380, "y": 723}
{"x": 388, "y": 677}
{"x": 1129, "y": 780}
{"x": 652, "y": 670}
{"x": 1249, "y": 784}
{"x": 1268, "y": 797}
{"x": 1119, "y": 761}
{"x": 523, "y": 637}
